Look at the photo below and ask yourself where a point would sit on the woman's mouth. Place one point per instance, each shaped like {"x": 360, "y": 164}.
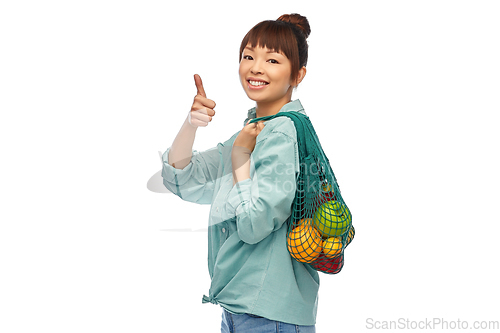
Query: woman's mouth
{"x": 255, "y": 85}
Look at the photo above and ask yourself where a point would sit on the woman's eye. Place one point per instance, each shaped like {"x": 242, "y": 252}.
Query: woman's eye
{"x": 273, "y": 61}
{"x": 248, "y": 57}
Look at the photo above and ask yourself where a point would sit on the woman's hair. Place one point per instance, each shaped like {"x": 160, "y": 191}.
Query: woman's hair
{"x": 287, "y": 34}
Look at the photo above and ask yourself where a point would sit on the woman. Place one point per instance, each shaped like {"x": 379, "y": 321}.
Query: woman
{"x": 250, "y": 182}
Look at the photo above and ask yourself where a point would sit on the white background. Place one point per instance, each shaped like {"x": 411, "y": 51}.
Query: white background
{"x": 404, "y": 96}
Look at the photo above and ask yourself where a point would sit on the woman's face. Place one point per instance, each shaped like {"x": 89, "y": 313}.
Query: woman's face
{"x": 265, "y": 75}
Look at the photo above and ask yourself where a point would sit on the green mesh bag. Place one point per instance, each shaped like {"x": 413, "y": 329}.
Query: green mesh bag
{"x": 320, "y": 226}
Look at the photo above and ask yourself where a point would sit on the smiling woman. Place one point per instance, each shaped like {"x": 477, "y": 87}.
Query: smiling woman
{"x": 273, "y": 56}
{"x": 253, "y": 276}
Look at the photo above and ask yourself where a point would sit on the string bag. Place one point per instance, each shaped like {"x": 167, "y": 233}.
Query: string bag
{"x": 320, "y": 225}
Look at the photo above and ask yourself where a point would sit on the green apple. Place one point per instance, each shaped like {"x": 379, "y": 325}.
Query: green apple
{"x": 332, "y": 218}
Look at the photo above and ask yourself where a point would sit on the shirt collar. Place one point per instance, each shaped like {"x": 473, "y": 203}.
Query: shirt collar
{"x": 290, "y": 106}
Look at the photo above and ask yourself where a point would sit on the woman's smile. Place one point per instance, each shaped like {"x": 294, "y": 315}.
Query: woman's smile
{"x": 256, "y": 84}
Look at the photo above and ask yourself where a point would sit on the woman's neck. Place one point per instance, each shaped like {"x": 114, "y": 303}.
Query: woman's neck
{"x": 264, "y": 109}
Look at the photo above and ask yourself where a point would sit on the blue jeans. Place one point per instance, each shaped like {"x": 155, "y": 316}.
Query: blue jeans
{"x": 245, "y": 323}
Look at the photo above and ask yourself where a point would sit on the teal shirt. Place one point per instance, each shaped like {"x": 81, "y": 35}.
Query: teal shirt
{"x": 248, "y": 261}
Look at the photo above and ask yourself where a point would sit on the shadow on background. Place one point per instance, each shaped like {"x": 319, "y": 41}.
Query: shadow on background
{"x": 155, "y": 184}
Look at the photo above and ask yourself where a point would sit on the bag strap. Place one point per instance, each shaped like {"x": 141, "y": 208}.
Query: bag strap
{"x": 307, "y": 139}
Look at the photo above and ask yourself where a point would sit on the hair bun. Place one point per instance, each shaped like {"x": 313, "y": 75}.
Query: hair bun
{"x": 298, "y": 20}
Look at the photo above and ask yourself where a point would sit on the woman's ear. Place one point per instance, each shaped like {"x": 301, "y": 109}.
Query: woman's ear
{"x": 300, "y": 76}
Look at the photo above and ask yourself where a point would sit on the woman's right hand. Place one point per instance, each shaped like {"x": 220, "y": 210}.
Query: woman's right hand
{"x": 202, "y": 110}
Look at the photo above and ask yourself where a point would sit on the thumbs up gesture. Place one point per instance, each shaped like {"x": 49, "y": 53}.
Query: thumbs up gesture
{"x": 201, "y": 112}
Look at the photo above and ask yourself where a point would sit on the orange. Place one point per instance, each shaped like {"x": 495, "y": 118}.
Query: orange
{"x": 332, "y": 247}
{"x": 350, "y": 236}
{"x": 326, "y": 187}
{"x": 304, "y": 241}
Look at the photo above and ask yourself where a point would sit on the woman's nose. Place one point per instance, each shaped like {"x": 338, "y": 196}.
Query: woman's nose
{"x": 256, "y": 68}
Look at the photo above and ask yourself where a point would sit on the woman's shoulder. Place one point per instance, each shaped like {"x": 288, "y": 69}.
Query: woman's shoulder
{"x": 281, "y": 125}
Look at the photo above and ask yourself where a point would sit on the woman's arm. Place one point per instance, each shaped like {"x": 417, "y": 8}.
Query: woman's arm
{"x": 186, "y": 172}
{"x": 181, "y": 150}
{"x": 201, "y": 114}
{"x": 243, "y": 147}
{"x": 262, "y": 204}
{"x": 240, "y": 158}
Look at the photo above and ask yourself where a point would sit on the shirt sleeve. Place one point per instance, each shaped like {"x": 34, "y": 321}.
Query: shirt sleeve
{"x": 196, "y": 182}
{"x": 262, "y": 204}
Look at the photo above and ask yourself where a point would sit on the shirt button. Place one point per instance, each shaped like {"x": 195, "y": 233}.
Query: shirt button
{"x": 217, "y": 209}
{"x": 223, "y": 230}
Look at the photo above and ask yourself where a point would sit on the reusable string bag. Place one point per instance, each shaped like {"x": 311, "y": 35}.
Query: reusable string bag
{"x": 320, "y": 226}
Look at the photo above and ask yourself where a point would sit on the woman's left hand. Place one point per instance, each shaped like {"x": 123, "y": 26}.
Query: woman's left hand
{"x": 248, "y": 135}
{"x": 242, "y": 149}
